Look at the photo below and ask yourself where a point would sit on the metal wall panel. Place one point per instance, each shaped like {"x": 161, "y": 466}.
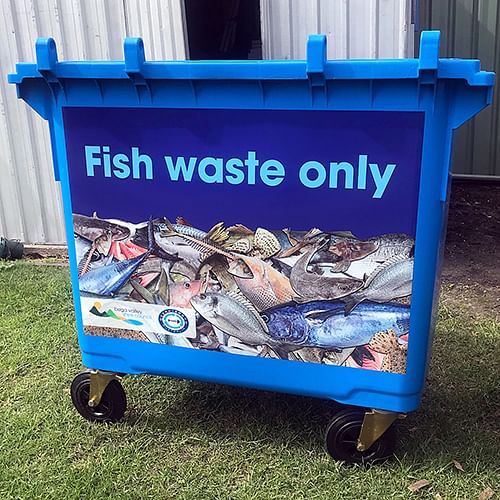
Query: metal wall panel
{"x": 30, "y": 201}
{"x": 471, "y": 29}
{"x": 356, "y": 29}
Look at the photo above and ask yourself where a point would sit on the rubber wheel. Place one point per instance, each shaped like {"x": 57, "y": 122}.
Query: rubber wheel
{"x": 111, "y": 407}
{"x": 341, "y": 438}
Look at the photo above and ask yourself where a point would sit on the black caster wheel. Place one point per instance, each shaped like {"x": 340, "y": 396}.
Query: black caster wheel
{"x": 111, "y": 407}
{"x": 341, "y": 438}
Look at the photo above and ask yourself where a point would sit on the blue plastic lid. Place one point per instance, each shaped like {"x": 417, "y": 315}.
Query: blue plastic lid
{"x": 316, "y": 68}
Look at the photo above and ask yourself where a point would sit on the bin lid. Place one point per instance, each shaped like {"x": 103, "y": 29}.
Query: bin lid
{"x": 315, "y": 68}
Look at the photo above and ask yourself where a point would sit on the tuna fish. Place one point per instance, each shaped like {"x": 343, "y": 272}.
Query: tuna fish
{"x": 323, "y": 324}
{"x": 107, "y": 280}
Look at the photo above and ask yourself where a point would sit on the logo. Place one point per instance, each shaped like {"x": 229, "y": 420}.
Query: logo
{"x": 97, "y": 311}
{"x": 173, "y": 321}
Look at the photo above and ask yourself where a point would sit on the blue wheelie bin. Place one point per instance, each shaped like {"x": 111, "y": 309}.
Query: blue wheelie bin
{"x": 268, "y": 224}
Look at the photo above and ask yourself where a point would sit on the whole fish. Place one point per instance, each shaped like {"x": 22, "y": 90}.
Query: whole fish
{"x": 323, "y": 324}
{"x": 314, "y": 286}
{"x": 260, "y": 282}
{"x": 91, "y": 228}
{"x": 231, "y": 317}
{"x": 391, "y": 280}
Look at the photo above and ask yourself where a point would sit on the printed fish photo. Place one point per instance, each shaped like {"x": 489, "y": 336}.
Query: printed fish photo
{"x": 300, "y": 295}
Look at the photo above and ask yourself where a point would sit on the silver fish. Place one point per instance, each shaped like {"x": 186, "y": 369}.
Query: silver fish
{"x": 228, "y": 315}
{"x": 313, "y": 286}
{"x": 391, "y": 280}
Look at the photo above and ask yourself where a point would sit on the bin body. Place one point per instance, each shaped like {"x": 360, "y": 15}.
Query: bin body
{"x": 331, "y": 179}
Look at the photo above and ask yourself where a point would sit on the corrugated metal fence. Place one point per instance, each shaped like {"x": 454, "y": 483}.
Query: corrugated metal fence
{"x": 471, "y": 29}
{"x": 30, "y": 202}
{"x": 30, "y": 205}
{"x": 356, "y": 29}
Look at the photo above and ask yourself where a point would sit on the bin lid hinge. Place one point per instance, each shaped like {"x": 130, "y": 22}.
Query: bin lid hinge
{"x": 315, "y": 67}
{"x": 428, "y": 65}
{"x": 133, "y": 49}
{"x": 46, "y": 62}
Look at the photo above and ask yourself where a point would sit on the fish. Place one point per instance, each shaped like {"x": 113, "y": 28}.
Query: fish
{"x": 107, "y": 280}
{"x": 175, "y": 245}
{"x": 181, "y": 293}
{"x": 231, "y": 317}
{"x": 260, "y": 282}
{"x": 299, "y": 239}
{"x": 324, "y": 324}
{"x": 203, "y": 244}
{"x": 218, "y": 266}
{"x": 391, "y": 280}
{"x": 313, "y": 286}
{"x": 395, "y": 352}
{"x": 390, "y": 245}
{"x": 133, "y": 228}
{"x": 349, "y": 250}
{"x": 91, "y": 228}
{"x": 184, "y": 269}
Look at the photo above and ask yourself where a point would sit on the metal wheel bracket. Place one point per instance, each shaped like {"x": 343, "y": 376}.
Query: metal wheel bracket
{"x": 375, "y": 423}
{"x": 99, "y": 380}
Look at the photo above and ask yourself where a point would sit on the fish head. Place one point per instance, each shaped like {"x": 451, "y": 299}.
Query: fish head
{"x": 240, "y": 268}
{"x": 206, "y": 304}
{"x": 181, "y": 293}
{"x": 286, "y": 324}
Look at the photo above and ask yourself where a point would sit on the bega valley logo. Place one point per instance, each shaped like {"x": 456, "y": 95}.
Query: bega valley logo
{"x": 109, "y": 313}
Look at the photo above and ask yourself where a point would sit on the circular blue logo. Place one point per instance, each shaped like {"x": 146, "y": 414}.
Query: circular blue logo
{"x": 173, "y": 321}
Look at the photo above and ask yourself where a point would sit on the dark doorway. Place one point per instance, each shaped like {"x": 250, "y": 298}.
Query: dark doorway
{"x": 223, "y": 29}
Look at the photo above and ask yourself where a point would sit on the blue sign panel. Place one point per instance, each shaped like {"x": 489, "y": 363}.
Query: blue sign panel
{"x": 289, "y": 233}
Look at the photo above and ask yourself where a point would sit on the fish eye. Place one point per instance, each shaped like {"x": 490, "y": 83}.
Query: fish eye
{"x": 187, "y": 284}
{"x": 265, "y": 318}
{"x": 202, "y": 296}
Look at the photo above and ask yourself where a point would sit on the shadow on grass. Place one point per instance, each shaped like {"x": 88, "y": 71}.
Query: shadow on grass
{"x": 458, "y": 416}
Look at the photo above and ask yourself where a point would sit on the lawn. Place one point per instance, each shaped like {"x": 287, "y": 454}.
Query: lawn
{"x": 191, "y": 440}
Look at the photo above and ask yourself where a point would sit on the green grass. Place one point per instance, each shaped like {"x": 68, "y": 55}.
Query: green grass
{"x": 189, "y": 440}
